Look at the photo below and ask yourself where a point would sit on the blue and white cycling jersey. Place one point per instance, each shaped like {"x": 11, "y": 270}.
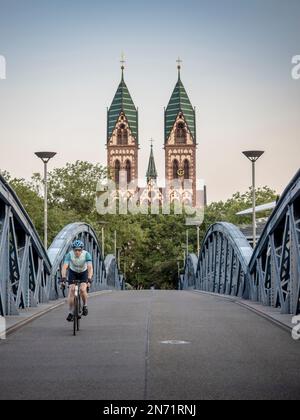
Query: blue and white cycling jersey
{"x": 78, "y": 264}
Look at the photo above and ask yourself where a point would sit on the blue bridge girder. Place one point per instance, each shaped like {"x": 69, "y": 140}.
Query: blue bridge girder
{"x": 30, "y": 274}
{"x": 269, "y": 274}
{"x": 106, "y": 274}
{"x": 223, "y": 263}
{"x": 275, "y": 263}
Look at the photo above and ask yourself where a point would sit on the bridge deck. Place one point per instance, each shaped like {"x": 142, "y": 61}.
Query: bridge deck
{"x": 231, "y": 352}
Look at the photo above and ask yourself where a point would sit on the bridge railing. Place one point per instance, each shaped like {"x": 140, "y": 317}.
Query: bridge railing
{"x": 222, "y": 266}
{"x": 29, "y": 274}
{"x": 269, "y": 274}
{"x": 188, "y": 279}
{"x": 25, "y": 268}
{"x": 106, "y": 273}
{"x": 114, "y": 279}
{"x": 275, "y": 264}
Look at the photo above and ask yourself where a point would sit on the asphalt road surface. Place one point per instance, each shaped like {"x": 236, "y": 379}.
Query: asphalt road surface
{"x": 147, "y": 345}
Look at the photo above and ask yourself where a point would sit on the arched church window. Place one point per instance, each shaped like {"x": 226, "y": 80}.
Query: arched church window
{"x": 175, "y": 169}
{"x": 180, "y": 133}
{"x": 125, "y": 137}
{"x": 122, "y": 135}
{"x": 119, "y": 137}
{"x": 117, "y": 171}
{"x": 186, "y": 169}
{"x": 128, "y": 170}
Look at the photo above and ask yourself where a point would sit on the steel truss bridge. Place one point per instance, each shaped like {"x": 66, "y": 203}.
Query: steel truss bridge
{"x": 227, "y": 264}
{"x": 269, "y": 274}
{"x": 153, "y": 345}
{"x": 30, "y": 274}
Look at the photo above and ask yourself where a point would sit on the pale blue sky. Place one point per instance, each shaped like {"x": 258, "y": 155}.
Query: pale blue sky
{"x": 63, "y": 70}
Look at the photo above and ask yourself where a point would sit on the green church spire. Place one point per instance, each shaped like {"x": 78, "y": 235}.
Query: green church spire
{"x": 151, "y": 172}
{"x": 122, "y": 103}
{"x": 180, "y": 103}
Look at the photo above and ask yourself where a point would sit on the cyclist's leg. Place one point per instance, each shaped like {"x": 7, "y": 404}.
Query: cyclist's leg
{"x": 83, "y": 292}
{"x": 72, "y": 277}
{"x": 71, "y": 297}
{"x": 71, "y": 302}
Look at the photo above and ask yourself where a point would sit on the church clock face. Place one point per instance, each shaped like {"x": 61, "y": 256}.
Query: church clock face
{"x": 180, "y": 173}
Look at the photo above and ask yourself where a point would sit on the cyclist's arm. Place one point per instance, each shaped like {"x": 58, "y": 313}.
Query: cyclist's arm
{"x": 64, "y": 270}
{"x": 90, "y": 266}
{"x": 90, "y": 272}
{"x": 65, "y": 267}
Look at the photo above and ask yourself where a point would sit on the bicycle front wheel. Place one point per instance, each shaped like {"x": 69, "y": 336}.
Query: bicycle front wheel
{"x": 79, "y": 313}
{"x": 75, "y": 315}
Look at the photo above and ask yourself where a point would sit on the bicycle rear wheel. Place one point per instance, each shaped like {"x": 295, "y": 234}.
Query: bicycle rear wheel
{"x": 75, "y": 315}
{"x": 78, "y": 313}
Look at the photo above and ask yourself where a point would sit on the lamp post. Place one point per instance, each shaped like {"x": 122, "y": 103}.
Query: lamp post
{"x": 178, "y": 268}
{"x": 103, "y": 242}
{"x": 197, "y": 224}
{"x": 45, "y": 157}
{"x": 198, "y": 241}
{"x": 103, "y": 237}
{"x": 253, "y": 156}
{"x": 118, "y": 257}
{"x": 115, "y": 244}
{"x": 184, "y": 254}
{"x": 187, "y": 243}
{"x": 178, "y": 273}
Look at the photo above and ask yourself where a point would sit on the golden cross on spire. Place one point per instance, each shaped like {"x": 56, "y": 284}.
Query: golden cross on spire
{"x": 179, "y": 62}
{"x": 123, "y": 61}
{"x": 152, "y": 141}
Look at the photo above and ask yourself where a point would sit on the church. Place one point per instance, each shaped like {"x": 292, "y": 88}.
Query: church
{"x": 180, "y": 138}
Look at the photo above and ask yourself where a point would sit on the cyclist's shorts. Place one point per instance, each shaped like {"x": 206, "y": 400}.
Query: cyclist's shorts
{"x": 81, "y": 277}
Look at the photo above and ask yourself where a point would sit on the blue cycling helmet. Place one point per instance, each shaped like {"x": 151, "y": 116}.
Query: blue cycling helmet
{"x": 77, "y": 244}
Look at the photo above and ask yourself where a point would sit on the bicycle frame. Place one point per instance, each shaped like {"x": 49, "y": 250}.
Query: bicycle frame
{"x": 77, "y": 308}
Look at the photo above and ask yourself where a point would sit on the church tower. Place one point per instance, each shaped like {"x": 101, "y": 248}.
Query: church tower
{"x": 151, "y": 172}
{"x": 122, "y": 134}
{"x": 180, "y": 137}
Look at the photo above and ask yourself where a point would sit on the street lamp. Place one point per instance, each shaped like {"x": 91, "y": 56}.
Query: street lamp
{"x": 178, "y": 267}
{"x": 187, "y": 243}
{"x": 198, "y": 241}
{"x": 253, "y": 156}
{"x": 115, "y": 243}
{"x": 118, "y": 257}
{"x": 197, "y": 224}
{"x": 184, "y": 254}
{"x": 45, "y": 157}
{"x": 103, "y": 237}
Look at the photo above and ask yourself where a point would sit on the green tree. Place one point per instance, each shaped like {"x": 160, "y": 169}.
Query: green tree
{"x": 149, "y": 245}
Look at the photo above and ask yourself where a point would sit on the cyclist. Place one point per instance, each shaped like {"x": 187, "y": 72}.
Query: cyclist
{"x": 80, "y": 265}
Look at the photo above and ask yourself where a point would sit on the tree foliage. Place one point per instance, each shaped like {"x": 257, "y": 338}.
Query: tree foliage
{"x": 150, "y": 246}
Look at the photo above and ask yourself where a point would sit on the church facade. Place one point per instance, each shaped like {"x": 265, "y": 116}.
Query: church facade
{"x": 180, "y": 144}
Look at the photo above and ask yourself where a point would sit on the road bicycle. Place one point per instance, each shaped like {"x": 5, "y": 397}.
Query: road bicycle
{"x": 77, "y": 305}
{"x": 77, "y": 308}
